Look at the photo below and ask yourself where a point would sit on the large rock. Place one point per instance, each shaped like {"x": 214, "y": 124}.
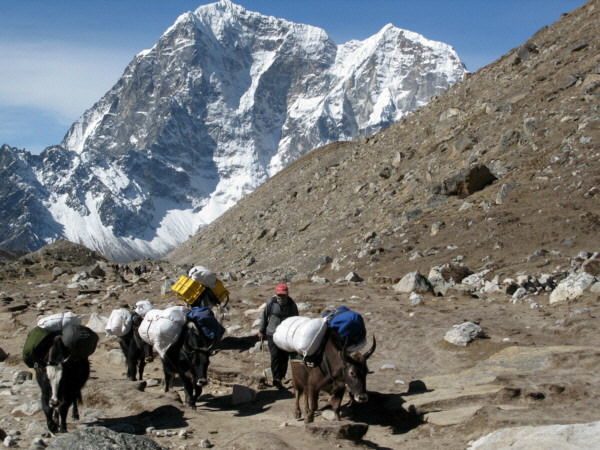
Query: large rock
{"x": 97, "y": 323}
{"x": 242, "y": 394}
{"x": 350, "y": 431}
{"x": 467, "y": 181}
{"x": 579, "y": 435}
{"x": 116, "y": 357}
{"x": 572, "y": 287}
{"x": 449, "y": 272}
{"x": 464, "y": 333}
{"x": 413, "y": 282}
{"x": 102, "y": 438}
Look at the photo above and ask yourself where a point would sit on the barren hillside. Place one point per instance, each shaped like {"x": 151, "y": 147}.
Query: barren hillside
{"x": 531, "y": 118}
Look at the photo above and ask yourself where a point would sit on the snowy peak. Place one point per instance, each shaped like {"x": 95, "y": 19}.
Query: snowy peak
{"x": 225, "y": 99}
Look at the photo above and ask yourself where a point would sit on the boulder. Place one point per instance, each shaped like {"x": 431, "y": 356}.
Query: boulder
{"x": 572, "y": 287}
{"x": 450, "y": 272}
{"x": 413, "y": 282}
{"x": 464, "y": 333}
{"x": 3, "y": 355}
{"x": 242, "y": 394}
{"x": 27, "y": 409}
{"x": 100, "y": 437}
{"x": 97, "y": 323}
{"x": 21, "y": 376}
{"x": 579, "y": 435}
{"x": 350, "y": 431}
{"x": 467, "y": 181}
{"x": 353, "y": 278}
{"x": 116, "y": 357}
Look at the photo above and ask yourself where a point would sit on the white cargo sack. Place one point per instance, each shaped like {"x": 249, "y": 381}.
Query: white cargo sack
{"x": 302, "y": 335}
{"x": 142, "y": 307}
{"x": 161, "y": 327}
{"x": 119, "y": 323}
{"x": 56, "y": 322}
{"x": 204, "y": 276}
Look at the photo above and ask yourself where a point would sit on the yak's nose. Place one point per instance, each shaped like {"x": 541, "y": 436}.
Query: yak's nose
{"x": 202, "y": 382}
{"x": 363, "y": 398}
{"x": 53, "y": 402}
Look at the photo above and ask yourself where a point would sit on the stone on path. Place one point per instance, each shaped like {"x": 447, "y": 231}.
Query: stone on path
{"x": 413, "y": 282}
{"x": 350, "y": 431}
{"x": 572, "y": 287}
{"x": 463, "y": 334}
{"x": 242, "y": 394}
{"x": 579, "y": 435}
{"x": 100, "y": 437}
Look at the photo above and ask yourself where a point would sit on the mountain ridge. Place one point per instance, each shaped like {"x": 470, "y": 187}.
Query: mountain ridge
{"x": 224, "y": 100}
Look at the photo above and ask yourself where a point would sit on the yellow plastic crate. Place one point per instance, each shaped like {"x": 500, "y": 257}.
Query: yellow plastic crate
{"x": 187, "y": 289}
{"x": 220, "y": 292}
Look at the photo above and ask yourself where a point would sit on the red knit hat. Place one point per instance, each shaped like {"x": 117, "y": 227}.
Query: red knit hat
{"x": 281, "y": 289}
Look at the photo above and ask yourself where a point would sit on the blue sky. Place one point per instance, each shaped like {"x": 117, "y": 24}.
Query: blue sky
{"x": 57, "y": 58}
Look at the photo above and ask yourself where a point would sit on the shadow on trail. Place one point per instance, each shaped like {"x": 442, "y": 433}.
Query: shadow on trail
{"x": 161, "y": 418}
{"x": 242, "y": 343}
{"x": 386, "y": 410}
{"x": 260, "y": 404}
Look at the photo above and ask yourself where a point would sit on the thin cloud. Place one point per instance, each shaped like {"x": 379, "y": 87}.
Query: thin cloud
{"x": 61, "y": 78}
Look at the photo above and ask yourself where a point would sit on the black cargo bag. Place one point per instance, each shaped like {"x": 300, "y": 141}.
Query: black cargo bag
{"x": 80, "y": 340}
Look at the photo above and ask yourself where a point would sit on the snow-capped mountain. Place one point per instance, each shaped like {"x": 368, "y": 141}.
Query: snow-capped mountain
{"x": 224, "y": 100}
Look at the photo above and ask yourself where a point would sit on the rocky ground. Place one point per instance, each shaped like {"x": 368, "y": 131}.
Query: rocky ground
{"x": 534, "y": 363}
{"x": 481, "y": 207}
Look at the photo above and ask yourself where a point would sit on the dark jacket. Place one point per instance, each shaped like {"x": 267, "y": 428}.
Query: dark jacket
{"x": 274, "y": 314}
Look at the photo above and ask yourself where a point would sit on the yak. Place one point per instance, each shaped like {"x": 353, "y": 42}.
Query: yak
{"x": 335, "y": 371}
{"x": 188, "y": 357}
{"x": 137, "y": 352}
{"x": 64, "y": 373}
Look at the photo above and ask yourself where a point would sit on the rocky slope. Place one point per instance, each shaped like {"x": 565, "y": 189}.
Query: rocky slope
{"x": 500, "y": 172}
{"x": 225, "y": 99}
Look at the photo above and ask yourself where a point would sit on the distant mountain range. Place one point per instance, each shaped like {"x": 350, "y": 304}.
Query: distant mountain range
{"x": 223, "y": 101}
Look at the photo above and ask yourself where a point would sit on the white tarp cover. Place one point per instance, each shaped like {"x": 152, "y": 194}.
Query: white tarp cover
{"x": 142, "y": 307}
{"x": 56, "y": 322}
{"x": 119, "y": 323}
{"x": 161, "y": 327}
{"x": 300, "y": 334}
{"x": 203, "y": 275}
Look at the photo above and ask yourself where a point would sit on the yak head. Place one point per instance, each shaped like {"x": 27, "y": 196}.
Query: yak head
{"x": 197, "y": 354}
{"x": 355, "y": 372}
{"x": 57, "y": 358}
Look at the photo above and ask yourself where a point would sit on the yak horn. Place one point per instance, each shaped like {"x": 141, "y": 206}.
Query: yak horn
{"x": 371, "y": 350}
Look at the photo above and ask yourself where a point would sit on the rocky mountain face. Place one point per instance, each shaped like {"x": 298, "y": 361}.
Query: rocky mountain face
{"x": 224, "y": 100}
{"x": 499, "y": 174}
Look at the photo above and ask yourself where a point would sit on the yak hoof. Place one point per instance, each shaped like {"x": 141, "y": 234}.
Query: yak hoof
{"x": 297, "y": 415}
{"x": 52, "y": 426}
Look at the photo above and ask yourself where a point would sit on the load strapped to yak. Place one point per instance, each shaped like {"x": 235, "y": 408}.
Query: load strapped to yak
{"x": 79, "y": 340}
{"x": 162, "y": 327}
{"x": 306, "y": 336}
{"x": 201, "y": 288}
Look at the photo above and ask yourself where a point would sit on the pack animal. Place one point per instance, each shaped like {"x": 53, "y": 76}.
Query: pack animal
{"x": 336, "y": 370}
{"x": 188, "y": 357}
{"x": 61, "y": 381}
{"x": 136, "y": 351}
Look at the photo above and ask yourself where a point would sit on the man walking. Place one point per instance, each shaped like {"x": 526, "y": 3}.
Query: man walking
{"x": 280, "y": 307}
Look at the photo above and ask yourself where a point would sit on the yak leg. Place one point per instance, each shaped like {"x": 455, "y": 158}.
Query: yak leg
{"x": 63, "y": 410}
{"x": 188, "y": 387}
{"x": 313, "y": 394}
{"x": 75, "y": 413}
{"x": 49, "y": 412}
{"x": 297, "y": 395}
{"x": 336, "y": 401}
{"x": 142, "y": 364}
{"x": 168, "y": 380}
